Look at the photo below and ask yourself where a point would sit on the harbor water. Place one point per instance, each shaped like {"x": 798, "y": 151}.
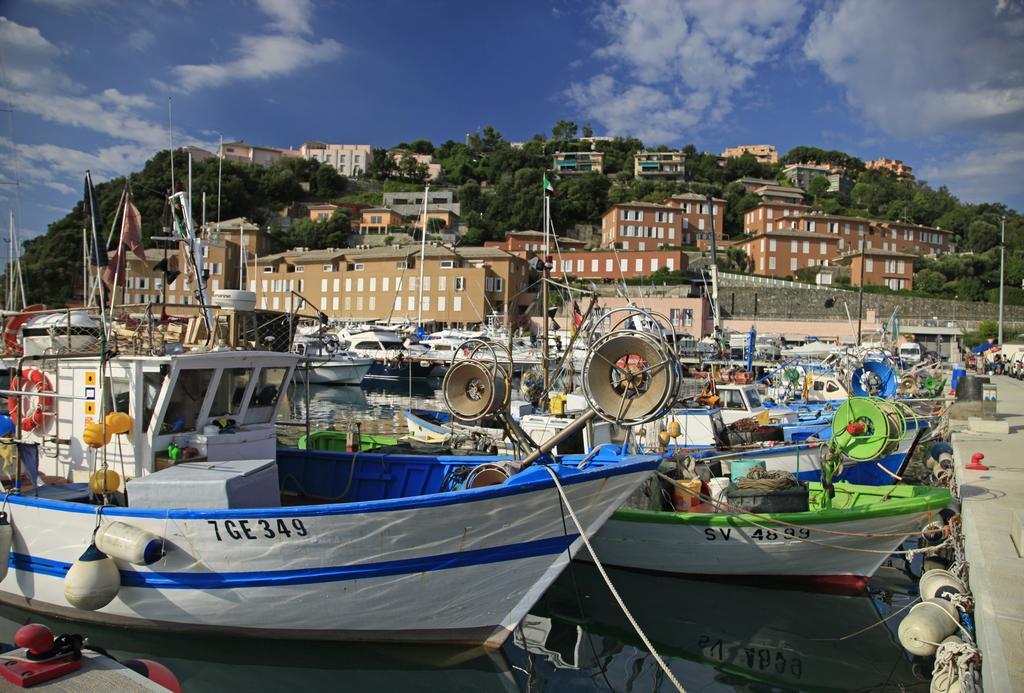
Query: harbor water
{"x": 715, "y": 635}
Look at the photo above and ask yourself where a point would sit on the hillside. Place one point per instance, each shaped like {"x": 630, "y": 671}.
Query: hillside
{"x": 499, "y": 187}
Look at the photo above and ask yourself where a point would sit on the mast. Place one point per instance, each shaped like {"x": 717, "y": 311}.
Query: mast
{"x": 544, "y": 295}
{"x": 715, "y": 308}
{"x": 423, "y": 251}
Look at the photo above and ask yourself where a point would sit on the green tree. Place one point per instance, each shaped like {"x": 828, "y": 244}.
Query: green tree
{"x": 327, "y": 182}
{"x": 818, "y": 187}
{"x": 929, "y": 281}
{"x": 381, "y": 165}
{"x": 981, "y": 236}
{"x": 422, "y": 147}
{"x": 564, "y": 130}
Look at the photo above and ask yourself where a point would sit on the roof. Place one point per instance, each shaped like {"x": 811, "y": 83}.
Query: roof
{"x": 819, "y": 215}
{"x": 908, "y": 225}
{"x": 697, "y": 197}
{"x": 537, "y": 234}
{"x": 303, "y": 256}
{"x": 791, "y": 233}
{"x": 765, "y": 203}
{"x": 379, "y": 209}
{"x": 875, "y": 252}
{"x": 233, "y": 224}
{"x": 774, "y": 188}
{"x": 314, "y": 144}
{"x": 321, "y": 205}
{"x": 639, "y": 203}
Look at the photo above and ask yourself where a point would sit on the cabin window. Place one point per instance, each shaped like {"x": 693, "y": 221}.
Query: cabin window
{"x": 266, "y": 392}
{"x": 574, "y": 445}
{"x": 117, "y": 395}
{"x": 831, "y": 387}
{"x": 231, "y": 391}
{"x": 732, "y": 399}
{"x": 151, "y": 384}
{"x": 186, "y": 400}
{"x": 754, "y": 399}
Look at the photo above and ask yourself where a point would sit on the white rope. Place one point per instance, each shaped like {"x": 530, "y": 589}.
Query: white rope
{"x": 611, "y": 588}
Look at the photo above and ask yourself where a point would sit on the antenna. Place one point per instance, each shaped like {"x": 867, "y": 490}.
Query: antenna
{"x": 170, "y": 141}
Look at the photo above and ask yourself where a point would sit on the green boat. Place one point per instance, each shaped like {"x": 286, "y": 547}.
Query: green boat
{"x": 334, "y": 441}
{"x": 843, "y": 544}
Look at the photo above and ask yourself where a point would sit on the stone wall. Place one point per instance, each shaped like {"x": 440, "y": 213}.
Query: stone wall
{"x": 766, "y": 303}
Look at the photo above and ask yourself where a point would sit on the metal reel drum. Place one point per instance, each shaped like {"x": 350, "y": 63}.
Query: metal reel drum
{"x": 866, "y": 428}
{"x": 473, "y": 389}
{"x": 630, "y": 377}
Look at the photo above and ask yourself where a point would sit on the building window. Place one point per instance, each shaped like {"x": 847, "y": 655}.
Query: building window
{"x": 771, "y": 263}
{"x": 373, "y": 284}
{"x": 268, "y": 270}
{"x": 403, "y": 264}
{"x": 358, "y": 267}
{"x": 460, "y": 283}
{"x": 348, "y": 284}
{"x": 792, "y": 264}
{"x": 441, "y": 303}
{"x": 300, "y": 268}
{"x": 411, "y": 303}
{"x": 447, "y": 264}
{"x": 457, "y": 304}
{"x": 771, "y": 245}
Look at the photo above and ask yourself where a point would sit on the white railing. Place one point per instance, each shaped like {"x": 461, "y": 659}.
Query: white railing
{"x": 769, "y": 281}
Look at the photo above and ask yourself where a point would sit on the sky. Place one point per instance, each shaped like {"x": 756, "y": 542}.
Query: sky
{"x": 87, "y": 84}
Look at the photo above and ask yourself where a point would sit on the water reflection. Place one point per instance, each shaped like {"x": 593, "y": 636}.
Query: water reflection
{"x": 204, "y": 663}
{"x": 716, "y": 636}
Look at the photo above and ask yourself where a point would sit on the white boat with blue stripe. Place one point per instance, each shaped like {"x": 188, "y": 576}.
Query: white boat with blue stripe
{"x": 286, "y": 543}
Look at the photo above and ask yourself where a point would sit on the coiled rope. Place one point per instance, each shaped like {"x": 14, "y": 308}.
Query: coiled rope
{"x": 760, "y": 479}
{"x": 611, "y": 587}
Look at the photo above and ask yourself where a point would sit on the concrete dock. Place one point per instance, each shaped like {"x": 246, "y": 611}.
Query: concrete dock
{"x": 993, "y": 511}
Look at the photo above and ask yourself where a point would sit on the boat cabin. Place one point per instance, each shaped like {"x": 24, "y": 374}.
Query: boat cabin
{"x": 744, "y": 402}
{"x": 220, "y": 404}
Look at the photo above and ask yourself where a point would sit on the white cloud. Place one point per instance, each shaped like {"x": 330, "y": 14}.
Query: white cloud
{"x": 289, "y": 16}
{"x": 259, "y": 57}
{"x": 688, "y": 59}
{"x": 264, "y": 56}
{"x": 925, "y": 66}
{"x": 990, "y": 170}
{"x": 28, "y": 59}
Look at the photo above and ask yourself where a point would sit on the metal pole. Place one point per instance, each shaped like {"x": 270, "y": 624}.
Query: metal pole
{"x": 1002, "y": 266}
{"x": 860, "y": 295}
{"x": 544, "y": 300}
{"x": 423, "y": 254}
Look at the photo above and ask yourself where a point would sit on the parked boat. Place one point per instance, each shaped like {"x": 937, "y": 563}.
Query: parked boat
{"x": 843, "y": 544}
{"x": 335, "y": 441}
{"x": 327, "y": 361}
{"x": 395, "y": 358}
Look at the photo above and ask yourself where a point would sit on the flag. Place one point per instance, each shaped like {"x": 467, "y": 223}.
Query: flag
{"x": 577, "y": 316}
{"x": 549, "y": 189}
{"x": 92, "y": 214}
{"x": 131, "y": 239}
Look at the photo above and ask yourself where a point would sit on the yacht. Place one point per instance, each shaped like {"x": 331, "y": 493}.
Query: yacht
{"x": 394, "y": 357}
{"x": 326, "y": 360}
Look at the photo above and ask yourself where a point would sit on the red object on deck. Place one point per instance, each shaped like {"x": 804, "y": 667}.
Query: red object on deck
{"x": 38, "y": 642}
{"x": 976, "y": 464}
{"x": 856, "y": 428}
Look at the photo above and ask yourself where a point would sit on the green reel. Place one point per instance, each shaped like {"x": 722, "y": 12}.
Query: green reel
{"x": 867, "y": 428}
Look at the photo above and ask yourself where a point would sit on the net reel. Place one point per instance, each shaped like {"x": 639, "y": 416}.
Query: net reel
{"x": 631, "y": 376}
{"x": 868, "y": 428}
{"x": 480, "y": 384}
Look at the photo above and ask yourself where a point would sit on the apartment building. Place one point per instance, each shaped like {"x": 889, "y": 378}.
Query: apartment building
{"x": 526, "y": 243}
{"x": 379, "y": 220}
{"x": 578, "y": 162}
{"x": 696, "y": 221}
{"x": 460, "y": 287}
{"x": 765, "y": 153}
{"x": 880, "y": 268}
{"x": 615, "y": 265}
{"x": 780, "y": 253}
{"x": 645, "y": 225}
{"x": 801, "y": 175}
{"x": 410, "y": 204}
{"x": 780, "y": 193}
{"x": 669, "y": 165}
{"x": 347, "y": 159}
{"x": 769, "y": 216}
{"x": 752, "y": 184}
{"x": 912, "y": 238}
{"x": 253, "y": 154}
{"x": 322, "y": 211}
{"x": 903, "y": 171}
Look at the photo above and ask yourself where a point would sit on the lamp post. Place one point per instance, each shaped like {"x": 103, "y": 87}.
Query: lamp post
{"x": 1002, "y": 267}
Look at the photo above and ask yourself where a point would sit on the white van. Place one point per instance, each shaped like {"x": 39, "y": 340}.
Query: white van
{"x": 910, "y": 354}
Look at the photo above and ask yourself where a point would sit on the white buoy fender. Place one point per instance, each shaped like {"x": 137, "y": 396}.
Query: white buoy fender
{"x": 130, "y": 544}
{"x": 93, "y": 580}
{"x": 940, "y": 584}
{"x": 928, "y": 622}
{"x": 6, "y": 539}
{"x": 946, "y": 679}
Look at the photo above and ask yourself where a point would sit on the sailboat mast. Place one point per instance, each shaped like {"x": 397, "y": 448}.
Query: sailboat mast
{"x": 423, "y": 252}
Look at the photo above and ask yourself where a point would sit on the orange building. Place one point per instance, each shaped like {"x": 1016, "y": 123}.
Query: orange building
{"x": 770, "y": 216}
{"x": 615, "y": 265}
{"x": 902, "y": 170}
{"x": 525, "y": 242}
{"x": 695, "y": 218}
{"x": 379, "y": 220}
{"x": 881, "y": 268}
{"x": 782, "y": 252}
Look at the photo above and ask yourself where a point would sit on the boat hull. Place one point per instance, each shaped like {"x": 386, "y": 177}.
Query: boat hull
{"x": 454, "y": 567}
{"x": 381, "y": 370}
{"x": 325, "y": 372}
{"x": 815, "y": 545}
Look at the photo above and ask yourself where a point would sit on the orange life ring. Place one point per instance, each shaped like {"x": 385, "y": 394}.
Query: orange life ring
{"x": 39, "y": 412}
{"x": 12, "y": 328}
